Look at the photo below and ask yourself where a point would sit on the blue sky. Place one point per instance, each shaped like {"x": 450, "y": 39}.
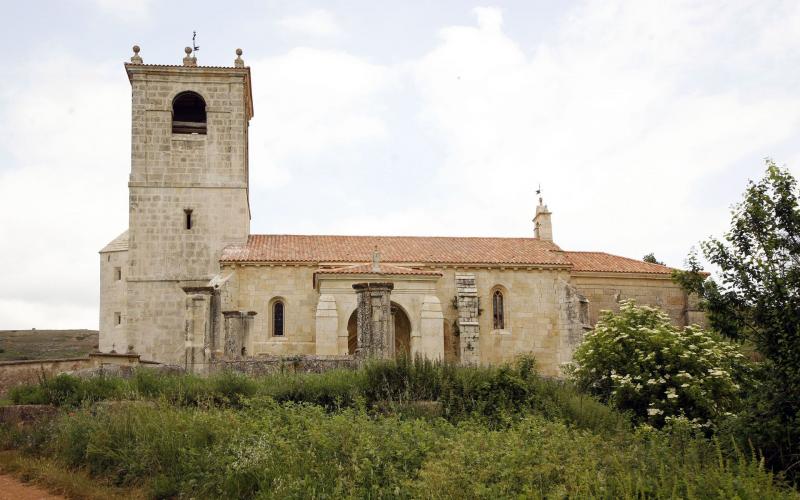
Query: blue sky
{"x": 642, "y": 120}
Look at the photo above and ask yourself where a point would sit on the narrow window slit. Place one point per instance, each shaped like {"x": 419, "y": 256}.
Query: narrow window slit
{"x": 277, "y": 319}
{"x": 497, "y": 310}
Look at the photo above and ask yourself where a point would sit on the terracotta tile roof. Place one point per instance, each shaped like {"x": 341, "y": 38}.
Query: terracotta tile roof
{"x": 118, "y": 244}
{"x": 396, "y": 249}
{"x": 382, "y": 269}
{"x": 604, "y": 262}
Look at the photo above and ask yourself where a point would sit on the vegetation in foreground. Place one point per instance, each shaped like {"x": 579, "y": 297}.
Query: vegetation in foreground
{"x": 392, "y": 429}
{"x": 754, "y": 297}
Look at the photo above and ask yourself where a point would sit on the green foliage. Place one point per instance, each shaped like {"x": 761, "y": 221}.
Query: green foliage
{"x": 638, "y": 361}
{"x": 376, "y": 432}
{"x": 725, "y": 314}
{"x": 757, "y": 297}
{"x": 67, "y": 390}
{"x": 272, "y": 450}
{"x": 651, "y": 258}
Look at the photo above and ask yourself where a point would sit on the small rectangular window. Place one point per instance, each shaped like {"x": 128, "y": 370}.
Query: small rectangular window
{"x": 188, "y": 213}
{"x": 117, "y": 318}
{"x": 117, "y": 273}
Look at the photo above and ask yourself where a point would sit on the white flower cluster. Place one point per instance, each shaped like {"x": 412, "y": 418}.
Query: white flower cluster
{"x": 637, "y": 358}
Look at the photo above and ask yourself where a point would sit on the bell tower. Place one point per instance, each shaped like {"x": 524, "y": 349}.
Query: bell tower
{"x": 188, "y": 191}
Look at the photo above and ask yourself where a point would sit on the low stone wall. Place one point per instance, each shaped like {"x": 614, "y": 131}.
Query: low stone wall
{"x": 14, "y": 373}
{"x": 264, "y": 365}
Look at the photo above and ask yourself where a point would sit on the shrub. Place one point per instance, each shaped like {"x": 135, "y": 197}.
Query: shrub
{"x": 272, "y": 450}
{"x": 638, "y": 361}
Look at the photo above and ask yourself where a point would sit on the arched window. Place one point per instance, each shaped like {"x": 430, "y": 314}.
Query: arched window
{"x": 277, "y": 318}
{"x": 498, "y": 317}
{"x": 188, "y": 114}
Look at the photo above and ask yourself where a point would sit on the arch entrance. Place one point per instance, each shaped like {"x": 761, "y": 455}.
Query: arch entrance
{"x": 401, "y": 331}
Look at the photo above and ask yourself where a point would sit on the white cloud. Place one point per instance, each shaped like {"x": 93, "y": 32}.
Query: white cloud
{"x": 316, "y": 23}
{"x": 309, "y": 102}
{"x": 125, "y": 9}
{"x": 612, "y": 117}
{"x": 627, "y": 113}
{"x": 66, "y": 126}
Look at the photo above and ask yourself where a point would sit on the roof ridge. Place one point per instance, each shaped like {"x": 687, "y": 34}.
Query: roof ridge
{"x": 402, "y": 236}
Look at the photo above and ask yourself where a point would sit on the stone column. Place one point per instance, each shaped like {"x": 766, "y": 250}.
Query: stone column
{"x": 468, "y": 326}
{"x": 327, "y": 326}
{"x": 429, "y": 342}
{"x": 374, "y": 320}
{"x": 573, "y": 309}
{"x": 198, "y": 327}
{"x": 237, "y": 333}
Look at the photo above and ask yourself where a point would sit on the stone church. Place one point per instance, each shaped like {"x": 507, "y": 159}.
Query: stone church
{"x": 188, "y": 284}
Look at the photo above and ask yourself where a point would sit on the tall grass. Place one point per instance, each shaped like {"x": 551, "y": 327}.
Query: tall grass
{"x": 494, "y": 393}
{"x": 486, "y": 433}
{"x": 272, "y": 450}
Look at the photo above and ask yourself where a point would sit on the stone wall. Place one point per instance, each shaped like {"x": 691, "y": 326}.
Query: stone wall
{"x": 113, "y": 308}
{"x": 264, "y": 365}
{"x": 170, "y": 174}
{"x": 256, "y": 289}
{"x": 605, "y": 292}
{"x": 14, "y": 373}
{"x": 534, "y": 320}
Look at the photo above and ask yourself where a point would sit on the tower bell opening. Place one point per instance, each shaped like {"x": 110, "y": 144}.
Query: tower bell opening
{"x": 188, "y": 114}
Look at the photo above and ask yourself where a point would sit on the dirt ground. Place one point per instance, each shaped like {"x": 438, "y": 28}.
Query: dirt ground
{"x": 11, "y": 489}
{"x": 46, "y": 344}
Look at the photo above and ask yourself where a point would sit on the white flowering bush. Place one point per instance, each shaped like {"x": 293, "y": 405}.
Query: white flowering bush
{"x": 638, "y": 361}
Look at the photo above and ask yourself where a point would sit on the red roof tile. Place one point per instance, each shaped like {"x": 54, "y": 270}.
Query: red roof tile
{"x": 382, "y": 269}
{"x": 604, "y": 262}
{"x": 396, "y": 249}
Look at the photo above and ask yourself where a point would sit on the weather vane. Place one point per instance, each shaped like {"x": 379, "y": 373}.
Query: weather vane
{"x": 195, "y": 48}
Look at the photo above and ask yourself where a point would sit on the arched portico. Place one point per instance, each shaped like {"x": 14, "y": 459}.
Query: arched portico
{"x": 416, "y": 323}
{"x": 401, "y": 325}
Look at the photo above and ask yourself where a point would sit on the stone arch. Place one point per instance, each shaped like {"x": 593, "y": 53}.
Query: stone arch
{"x": 451, "y": 341}
{"x": 352, "y": 332}
{"x": 402, "y": 330}
{"x": 498, "y": 308}
{"x": 401, "y": 322}
{"x": 188, "y": 113}
{"x": 276, "y": 325}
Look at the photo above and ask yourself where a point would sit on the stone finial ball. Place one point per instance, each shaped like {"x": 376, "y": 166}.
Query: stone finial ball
{"x": 188, "y": 50}
{"x": 238, "y": 52}
{"x": 136, "y": 49}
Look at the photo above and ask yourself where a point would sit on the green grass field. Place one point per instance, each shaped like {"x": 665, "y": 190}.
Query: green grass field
{"x": 46, "y": 344}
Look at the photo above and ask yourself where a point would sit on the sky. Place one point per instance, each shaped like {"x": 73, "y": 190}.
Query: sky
{"x": 641, "y": 120}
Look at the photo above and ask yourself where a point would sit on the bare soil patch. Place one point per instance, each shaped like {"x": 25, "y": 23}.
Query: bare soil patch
{"x": 11, "y": 488}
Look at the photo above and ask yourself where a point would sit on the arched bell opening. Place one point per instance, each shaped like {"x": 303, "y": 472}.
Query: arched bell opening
{"x": 188, "y": 114}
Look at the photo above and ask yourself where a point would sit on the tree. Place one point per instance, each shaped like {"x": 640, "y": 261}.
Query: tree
{"x": 640, "y": 362}
{"x": 757, "y": 298}
{"x": 651, "y": 258}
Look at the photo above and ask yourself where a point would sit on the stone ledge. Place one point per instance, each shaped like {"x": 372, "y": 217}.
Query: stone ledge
{"x": 40, "y": 361}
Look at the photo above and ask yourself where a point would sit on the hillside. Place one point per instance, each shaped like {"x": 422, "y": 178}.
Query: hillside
{"x": 46, "y": 344}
